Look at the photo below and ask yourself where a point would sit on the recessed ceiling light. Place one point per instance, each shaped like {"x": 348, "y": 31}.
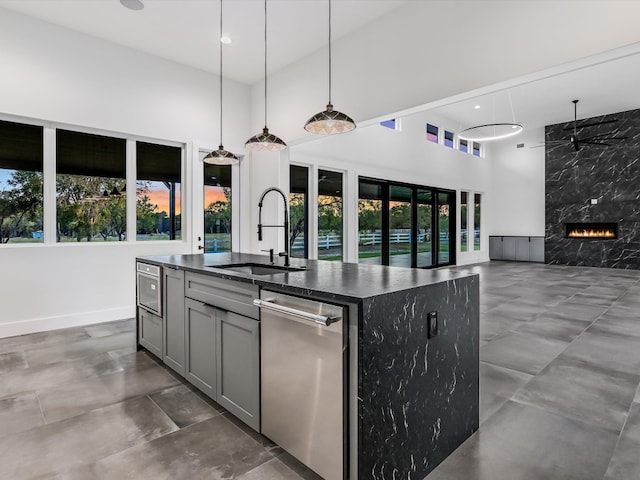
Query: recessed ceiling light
{"x": 477, "y": 107}
{"x": 225, "y": 39}
{"x": 132, "y": 4}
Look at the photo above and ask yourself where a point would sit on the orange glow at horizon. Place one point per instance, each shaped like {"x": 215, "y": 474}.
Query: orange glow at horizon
{"x": 213, "y": 194}
{"x": 161, "y": 200}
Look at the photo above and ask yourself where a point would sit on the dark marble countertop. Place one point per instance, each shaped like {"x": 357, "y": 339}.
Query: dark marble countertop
{"x": 336, "y": 280}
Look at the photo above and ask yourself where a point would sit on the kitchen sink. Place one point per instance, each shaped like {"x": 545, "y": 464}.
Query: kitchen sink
{"x": 259, "y": 268}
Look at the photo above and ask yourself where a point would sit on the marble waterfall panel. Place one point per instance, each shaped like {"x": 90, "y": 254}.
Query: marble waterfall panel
{"x": 418, "y": 396}
{"x": 595, "y": 184}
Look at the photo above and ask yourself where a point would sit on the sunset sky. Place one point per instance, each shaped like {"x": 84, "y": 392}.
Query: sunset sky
{"x": 159, "y": 195}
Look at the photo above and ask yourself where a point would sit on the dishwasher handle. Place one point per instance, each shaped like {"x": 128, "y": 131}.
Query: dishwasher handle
{"x": 325, "y": 320}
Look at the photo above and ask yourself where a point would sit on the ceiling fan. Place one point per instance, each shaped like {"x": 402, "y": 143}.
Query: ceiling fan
{"x": 598, "y": 139}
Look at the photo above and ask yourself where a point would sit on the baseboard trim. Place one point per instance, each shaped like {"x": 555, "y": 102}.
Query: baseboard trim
{"x": 35, "y": 325}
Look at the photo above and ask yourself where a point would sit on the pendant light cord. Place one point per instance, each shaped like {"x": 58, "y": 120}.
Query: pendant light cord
{"x": 329, "y": 51}
{"x": 220, "y": 49}
{"x": 265, "y": 63}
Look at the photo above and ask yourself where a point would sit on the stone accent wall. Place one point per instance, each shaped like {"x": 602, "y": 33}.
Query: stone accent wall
{"x": 609, "y": 175}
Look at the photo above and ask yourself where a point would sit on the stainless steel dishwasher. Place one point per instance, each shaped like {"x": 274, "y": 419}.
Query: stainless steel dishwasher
{"x": 303, "y": 348}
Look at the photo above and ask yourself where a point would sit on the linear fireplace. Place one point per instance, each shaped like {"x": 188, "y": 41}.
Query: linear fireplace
{"x": 596, "y": 231}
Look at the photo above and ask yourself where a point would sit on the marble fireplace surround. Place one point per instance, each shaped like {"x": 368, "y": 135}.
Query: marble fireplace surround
{"x": 597, "y": 184}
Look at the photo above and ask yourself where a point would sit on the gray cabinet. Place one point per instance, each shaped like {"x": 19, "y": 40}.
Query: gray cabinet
{"x": 521, "y": 249}
{"x": 238, "y": 361}
{"x": 200, "y": 330}
{"x": 173, "y": 353}
{"x": 150, "y": 331}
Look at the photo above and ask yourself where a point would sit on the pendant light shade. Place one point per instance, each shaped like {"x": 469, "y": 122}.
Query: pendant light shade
{"x": 330, "y": 121}
{"x": 265, "y": 141}
{"x": 221, "y": 156}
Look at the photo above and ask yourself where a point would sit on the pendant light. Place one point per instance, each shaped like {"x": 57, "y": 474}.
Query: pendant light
{"x": 221, "y": 156}
{"x": 265, "y": 140}
{"x": 330, "y": 121}
{"x": 493, "y": 131}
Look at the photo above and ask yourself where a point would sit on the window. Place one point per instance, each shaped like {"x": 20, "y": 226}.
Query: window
{"x": 217, "y": 208}
{"x": 464, "y": 199}
{"x": 329, "y": 215}
{"x": 476, "y": 149}
{"x": 299, "y": 210}
{"x": 393, "y": 124}
{"x": 446, "y": 225}
{"x": 158, "y": 183}
{"x": 21, "y": 148}
{"x": 89, "y": 181}
{"x": 370, "y": 201}
{"x": 448, "y": 139}
{"x": 476, "y": 221}
{"x": 432, "y": 133}
{"x": 464, "y": 146}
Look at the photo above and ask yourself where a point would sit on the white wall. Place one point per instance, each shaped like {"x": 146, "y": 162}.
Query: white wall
{"x": 53, "y": 74}
{"x": 517, "y": 176}
{"x": 456, "y": 47}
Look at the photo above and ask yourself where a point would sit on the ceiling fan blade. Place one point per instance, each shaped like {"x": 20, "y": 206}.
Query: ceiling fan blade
{"x": 595, "y": 143}
{"x": 604, "y": 137}
{"x": 592, "y": 124}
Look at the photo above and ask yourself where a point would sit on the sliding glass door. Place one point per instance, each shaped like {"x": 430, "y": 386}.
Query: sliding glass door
{"x": 370, "y": 222}
{"x": 424, "y": 240}
{"x": 400, "y": 234}
{"x": 405, "y": 225}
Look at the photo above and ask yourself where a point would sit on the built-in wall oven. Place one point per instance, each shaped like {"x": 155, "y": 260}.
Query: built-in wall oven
{"x": 149, "y": 287}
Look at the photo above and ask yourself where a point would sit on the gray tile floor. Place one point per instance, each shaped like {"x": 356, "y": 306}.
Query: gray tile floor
{"x": 560, "y": 370}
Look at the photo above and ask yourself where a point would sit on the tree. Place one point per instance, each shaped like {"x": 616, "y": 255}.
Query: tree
{"x": 329, "y": 213}
{"x": 146, "y": 221}
{"x": 217, "y": 216}
{"x": 296, "y": 215}
{"x": 369, "y": 215}
{"x": 21, "y": 206}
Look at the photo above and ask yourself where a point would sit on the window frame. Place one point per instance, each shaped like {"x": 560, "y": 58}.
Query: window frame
{"x": 49, "y": 182}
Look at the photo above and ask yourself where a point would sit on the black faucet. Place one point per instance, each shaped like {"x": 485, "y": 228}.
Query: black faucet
{"x": 284, "y": 254}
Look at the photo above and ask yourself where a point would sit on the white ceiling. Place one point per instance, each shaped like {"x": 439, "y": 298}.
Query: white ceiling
{"x": 187, "y": 31}
{"x": 603, "y": 85}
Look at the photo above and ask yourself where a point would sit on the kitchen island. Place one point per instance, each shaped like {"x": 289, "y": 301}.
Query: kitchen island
{"x": 412, "y": 388}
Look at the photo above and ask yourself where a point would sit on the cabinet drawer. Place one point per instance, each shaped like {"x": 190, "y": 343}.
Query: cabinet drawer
{"x": 222, "y": 293}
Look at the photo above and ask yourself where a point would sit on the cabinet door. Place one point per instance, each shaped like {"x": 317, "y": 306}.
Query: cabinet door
{"x": 537, "y": 249}
{"x": 173, "y": 353}
{"x": 495, "y": 248}
{"x": 238, "y": 356}
{"x": 509, "y": 248}
{"x": 522, "y": 249}
{"x": 200, "y": 330}
{"x": 150, "y": 331}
